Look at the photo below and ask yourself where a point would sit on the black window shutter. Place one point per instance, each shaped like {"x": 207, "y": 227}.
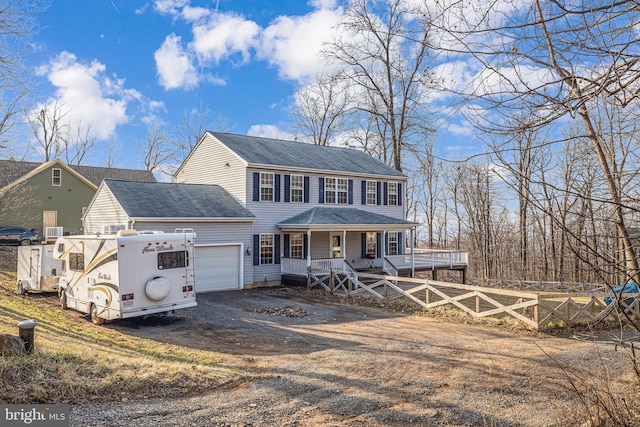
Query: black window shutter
{"x": 379, "y": 192}
{"x": 305, "y": 243}
{"x": 386, "y": 243}
{"x": 276, "y": 249}
{"x": 400, "y": 194}
{"x": 256, "y": 186}
{"x": 256, "y": 249}
{"x": 306, "y": 189}
{"x": 350, "y": 189}
{"x": 276, "y": 189}
{"x": 287, "y": 243}
{"x": 401, "y": 245}
{"x": 287, "y": 188}
{"x": 363, "y": 198}
{"x": 364, "y": 245}
{"x": 378, "y": 245}
{"x": 321, "y": 191}
{"x": 385, "y": 193}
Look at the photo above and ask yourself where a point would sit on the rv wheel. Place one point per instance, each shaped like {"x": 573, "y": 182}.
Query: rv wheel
{"x": 63, "y": 299}
{"x": 21, "y": 290}
{"x": 97, "y": 320}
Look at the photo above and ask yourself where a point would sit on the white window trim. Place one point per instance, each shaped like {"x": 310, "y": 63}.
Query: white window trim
{"x": 272, "y": 186}
{"x": 267, "y": 246}
{"x": 389, "y": 193}
{"x": 301, "y": 245}
{"x": 336, "y": 190}
{"x": 301, "y": 188}
{"x": 373, "y": 192}
{"x": 53, "y": 177}
{"x": 395, "y": 238}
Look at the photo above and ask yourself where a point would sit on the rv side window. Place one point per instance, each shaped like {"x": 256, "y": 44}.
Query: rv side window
{"x": 60, "y": 247}
{"x": 178, "y": 259}
{"x": 76, "y": 262}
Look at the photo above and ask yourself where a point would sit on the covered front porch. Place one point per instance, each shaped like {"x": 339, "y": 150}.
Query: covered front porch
{"x": 347, "y": 241}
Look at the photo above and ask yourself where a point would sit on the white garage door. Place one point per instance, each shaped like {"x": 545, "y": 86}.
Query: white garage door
{"x": 218, "y": 268}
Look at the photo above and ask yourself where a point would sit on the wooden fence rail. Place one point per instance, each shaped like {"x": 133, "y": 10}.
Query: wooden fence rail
{"x": 535, "y": 309}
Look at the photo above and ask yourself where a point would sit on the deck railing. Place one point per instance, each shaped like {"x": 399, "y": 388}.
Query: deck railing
{"x": 299, "y": 266}
{"x": 52, "y": 233}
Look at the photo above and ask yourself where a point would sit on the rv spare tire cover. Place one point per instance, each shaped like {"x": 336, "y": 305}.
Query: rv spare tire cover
{"x": 157, "y": 288}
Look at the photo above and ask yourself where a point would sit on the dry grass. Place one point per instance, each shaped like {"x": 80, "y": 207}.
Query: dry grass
{"x": 75, "y": 361}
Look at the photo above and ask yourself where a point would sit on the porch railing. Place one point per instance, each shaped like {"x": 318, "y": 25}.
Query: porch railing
{"x": 299, "y": 266}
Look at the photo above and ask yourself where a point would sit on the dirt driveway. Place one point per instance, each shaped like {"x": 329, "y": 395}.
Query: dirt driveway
{"x": 347, "y": 365}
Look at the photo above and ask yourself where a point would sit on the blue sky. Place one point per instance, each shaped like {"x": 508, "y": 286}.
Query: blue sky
{"x": 127, "y": 65}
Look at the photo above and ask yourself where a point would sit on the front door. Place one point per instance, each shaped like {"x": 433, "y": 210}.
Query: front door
{"x": 336, "y": 246}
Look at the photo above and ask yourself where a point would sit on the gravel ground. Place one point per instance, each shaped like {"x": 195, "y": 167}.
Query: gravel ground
{"x": 312, "y": 360}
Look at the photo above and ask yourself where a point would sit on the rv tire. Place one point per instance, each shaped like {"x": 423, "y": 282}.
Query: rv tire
{"x": 95, "y": 319}
{"x": 63, "y": 299}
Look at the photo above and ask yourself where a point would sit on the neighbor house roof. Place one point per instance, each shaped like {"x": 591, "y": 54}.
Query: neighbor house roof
{"x": 343, "y": 218}
{"x": 275, "y": 152}
{"x": 168, "y": 200}
{"x": 13, "y": 171}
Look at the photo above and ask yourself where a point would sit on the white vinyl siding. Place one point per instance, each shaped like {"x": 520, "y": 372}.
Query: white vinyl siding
{"x": 213, "y": 163}
{"x": 104, "y": 211}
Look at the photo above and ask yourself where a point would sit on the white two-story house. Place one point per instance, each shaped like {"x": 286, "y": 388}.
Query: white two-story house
{"x": 312, "y": 204}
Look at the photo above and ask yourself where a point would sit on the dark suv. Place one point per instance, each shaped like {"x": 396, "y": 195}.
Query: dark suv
{"x": 18, "y": 236}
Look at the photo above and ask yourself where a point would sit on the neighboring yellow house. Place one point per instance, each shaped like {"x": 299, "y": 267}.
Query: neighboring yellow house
{"x": 53, "y": 194}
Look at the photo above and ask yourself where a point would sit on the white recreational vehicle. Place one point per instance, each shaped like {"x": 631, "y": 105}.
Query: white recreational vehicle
{"x": 38, "y": 269}
{"x": 127, "y": 274}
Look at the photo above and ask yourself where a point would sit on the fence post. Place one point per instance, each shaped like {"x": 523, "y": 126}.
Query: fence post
{"x": 477, "y": 302}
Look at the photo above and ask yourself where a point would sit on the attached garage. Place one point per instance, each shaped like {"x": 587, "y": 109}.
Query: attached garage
{"x": 222, "y": 225}
{"x": 218, "y": 268}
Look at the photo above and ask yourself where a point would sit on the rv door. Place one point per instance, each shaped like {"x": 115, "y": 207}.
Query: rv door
{"x": 34, "y": 268}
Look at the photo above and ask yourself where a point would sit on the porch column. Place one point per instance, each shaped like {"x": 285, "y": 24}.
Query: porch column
{"x": 308, "y": 249}
{"x": 413, "y": 268}
{"x": 343, "y": 250}
{"x": 384, "y": 241}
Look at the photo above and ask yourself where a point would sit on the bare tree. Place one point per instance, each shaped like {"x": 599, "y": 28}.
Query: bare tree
{"x": 558, "y": 61}
{"x": 320, "y": 109}
{"x": 158, "y": 149}
{"x": 17, "y": 25}
{"x": 78, "y": 142}
{"x": 195, "y": 123}
{"x": 382, "y": 54}
{"x": 48, "y": 130}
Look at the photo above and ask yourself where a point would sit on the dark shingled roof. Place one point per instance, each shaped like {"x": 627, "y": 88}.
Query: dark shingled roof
{"x": 13, "y": 170}
{"x": 343, "y": 216}
{"x": 97, "y": 174}
{"x": 168, "y": 200}
{"x": 275, "y": 152}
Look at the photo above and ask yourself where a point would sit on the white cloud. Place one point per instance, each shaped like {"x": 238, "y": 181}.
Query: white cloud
{"x": 323, "y": 4}
{"x": 223, "y": 36}
{"x": 170, "y": 7}
{"x": 293, "y": 44}
{"x": 174, "y": 66}
{"x": 87, "y": 95}
{"x": 270, "y": 131}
